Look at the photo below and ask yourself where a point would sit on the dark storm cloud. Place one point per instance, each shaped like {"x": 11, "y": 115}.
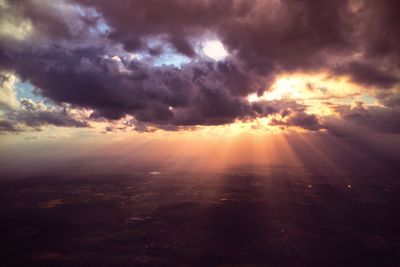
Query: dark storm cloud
{"x": 264, "y": 38}
{"x": 380, "y": 119}
{"x": 304, "y": 120}
{"x": 177, "y": 21}
{"x": 380, "y": 29}
{"x": 52, "y": 20}
{"x": 199, "y": 93}
{"x": 367, "y": 74}
{"x": 266, "y": 35}
{"x": 391, "y": 100}
{"x": 298, "y": 119}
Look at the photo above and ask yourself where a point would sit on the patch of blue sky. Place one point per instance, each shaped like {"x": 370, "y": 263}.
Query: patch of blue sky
{"x": 86, "y": 11}
{"x": 368, "y": 99}
{"x": 26, "y": 90}
{"x": 168, "y": 56}
{"x": 102, "y": 27}
{"x": 365, "y": 98}
{"x": 171, "y": 58}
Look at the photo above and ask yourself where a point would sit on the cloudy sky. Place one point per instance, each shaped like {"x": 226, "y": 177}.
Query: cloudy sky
{"x": 199, "y": 71}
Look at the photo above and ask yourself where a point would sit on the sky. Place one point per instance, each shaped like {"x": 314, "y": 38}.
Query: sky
{"x": 199, "y": 83}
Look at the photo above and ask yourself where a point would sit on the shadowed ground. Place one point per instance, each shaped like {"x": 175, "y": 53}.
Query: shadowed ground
{"x": 247, "y": 216}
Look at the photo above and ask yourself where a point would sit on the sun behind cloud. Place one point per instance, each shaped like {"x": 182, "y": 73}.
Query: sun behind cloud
{"x": 214, "y": 49}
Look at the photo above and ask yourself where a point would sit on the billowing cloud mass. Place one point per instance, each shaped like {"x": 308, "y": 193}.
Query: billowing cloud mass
{"x": 104, "y": 56}
{"x": 26, "y": 114}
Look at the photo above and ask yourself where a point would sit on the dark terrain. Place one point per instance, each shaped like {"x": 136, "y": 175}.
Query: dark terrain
{"x": 247, "y": 216}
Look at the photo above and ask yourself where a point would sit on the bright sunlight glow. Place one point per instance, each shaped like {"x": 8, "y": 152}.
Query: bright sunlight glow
{"x": 214, "y": 49}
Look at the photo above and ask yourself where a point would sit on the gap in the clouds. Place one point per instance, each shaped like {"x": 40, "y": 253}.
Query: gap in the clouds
{"x": 320, "y": 93}
{"x": 101, "y": 26}
{"x": 170, "y": 58}
{"x": 161, "y": 53}
{"x": 25, "y": 90}
{"x": 214, "y": 49}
